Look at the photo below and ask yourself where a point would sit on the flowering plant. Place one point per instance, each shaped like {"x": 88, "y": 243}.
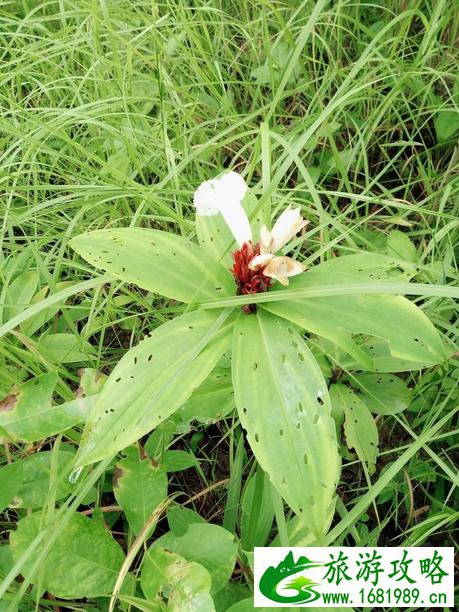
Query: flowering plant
{"x": 239, "y": 307}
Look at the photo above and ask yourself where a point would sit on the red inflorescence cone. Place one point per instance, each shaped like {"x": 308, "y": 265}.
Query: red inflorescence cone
{"x": 248, "y": 281}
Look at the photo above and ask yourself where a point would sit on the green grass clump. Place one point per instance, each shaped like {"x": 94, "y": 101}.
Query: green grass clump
{"x": 112, "y": 113}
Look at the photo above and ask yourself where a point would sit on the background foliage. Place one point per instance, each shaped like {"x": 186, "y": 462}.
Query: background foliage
{"x": 112, "y": 114}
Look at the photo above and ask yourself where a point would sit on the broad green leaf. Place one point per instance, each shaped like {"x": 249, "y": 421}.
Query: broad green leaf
{"x": 409, "y": 333}
{"x": 64, "y": 348}
{"x": 359, "y": 425}
{"x": 257, "y": 511}
{"x": 139, "y": 485}
{"x": 212, "y": 401}
{"x": 393, "y": 318}
{"x": 382, "y": 360}
{"x": 26, "y": 413}
{"x": 215, "y": 236}
{"x": 179, "y": 519}
{"x": 382, "y": 393}
{"x": 178, "y": 460}
{"x": 186, "y": 584}
{"x": 36, "y": 470}
{"x": 6, "y": 560}
{"x": 158, "y": 261}
{"x": 282, "y": 401}
{"x": 91, "y": 382}
{"x": 365, "y": 265}
{"x": 152, "y": 381}
{"x": 446, "y": 124}
{"x": 209, "y": 403}
{"x": 84, "y": 561}
{"x": 19, "y": 294}
{"x": 399, "y": 245}
{"x": 33, "y": 323}
{"x": 232, "y": 593}
{"x": 246, "y": 605}
{"x": 11, "y": 477}
{"x": 207, "y": 544}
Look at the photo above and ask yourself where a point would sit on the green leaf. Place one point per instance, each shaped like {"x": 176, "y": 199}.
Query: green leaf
{"x": 19, "y": 294}
{"x": 383, "y": 393}
{"x": 282, "y": 401}
{"x": 210, "y": 545}
{"x": 152, "y": 381}
{"x": 33, "y": 323}
{"x": 399, "y": 245}
{"x": 232, "y": 593}
{"x": 11, "y": 477}
{"x": 216, "y": 237}
{"x": 26, "y": 413}
{"x": 382, "y": 360}
{"x": 36, "y": 470}
{"x": 6, "y": 560}
{"x": 186, "y": 584}
{"x": 139, "y": 485}
{"x": 408, "y": 332}
{"x": 179, "y": 519}
{"x": 359, "y": 426}
{"x": 363, "y": 265}
{"x": 257, "y": 511}
{"x": 158, "y": 261}
{"x": 64, "y": 348}
{"x": 212, "y": 401}
{"x": 84, "y": 561}
{"x": 446, "y": 124}
{"x": 178, "y": 460}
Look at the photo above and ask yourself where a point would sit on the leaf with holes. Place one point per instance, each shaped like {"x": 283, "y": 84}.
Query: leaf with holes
{"x": 210, "y": 545}
{"x": 139, "y": 485}
{"x": 382, "y": 393}
{"x": 185, "y": 584}
{"x": 27, "y": 414}
{"x": 215, "y": 236}
{"x": 382, "y": 360}
{"x": 153, "y": 380}
{"x": 409, "y": 333}
{"x": 282, "y": 401}
{"x": 84, "y": 561}
{"x": 212, "y": 401}
{"x": 359, "y": 425}
{"x": 158, "y": 261}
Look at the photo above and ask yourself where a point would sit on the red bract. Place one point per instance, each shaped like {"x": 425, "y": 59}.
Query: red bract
{"x": 248, "y": 281}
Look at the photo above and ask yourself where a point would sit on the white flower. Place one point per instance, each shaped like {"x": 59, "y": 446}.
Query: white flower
{"x": 224, "y": 195}
{"x": 286, "y": 227}
{"x": 280, "y": 268}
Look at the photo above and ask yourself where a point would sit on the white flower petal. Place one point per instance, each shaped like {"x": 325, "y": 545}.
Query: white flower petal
{"x": 287, "y": 225}
{"x": 232, "y": 186}
{"x": 266, "y": 240}
{"x": 259, "y": 261}
{"x": 206, "y": 198}
{"x": 281, "y": 268}
{"x": 238, "y": 222}
{"x": 224, "y": 195}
